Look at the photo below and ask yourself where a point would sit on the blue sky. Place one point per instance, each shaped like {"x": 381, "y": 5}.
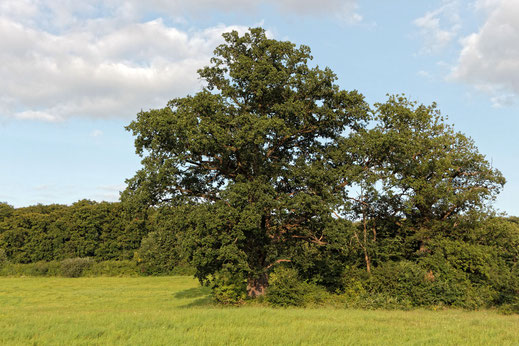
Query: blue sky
{"x": 73, "y": 74}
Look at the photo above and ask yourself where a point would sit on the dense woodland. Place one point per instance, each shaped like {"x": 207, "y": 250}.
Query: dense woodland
{"x": 274, "y": 183}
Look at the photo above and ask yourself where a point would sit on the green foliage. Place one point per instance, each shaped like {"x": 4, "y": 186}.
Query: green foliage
{"x": 103, "y": 231}
{"x": 510, "y": 308}
{"x": 41, "y": 268}
{"x": 228, "y": 288}
{"x": 111, "y": 268}
{"x": 183, "y": 269}
{"x": 411, "y": 285}
{"x": 3, "y": 258}
{"x": 160, "y": 254}
{"x": 428, "y": 171}
{"x": 160, "y": 251}
{"x": 287, "y": 289}
{"x": 251, "y": 148}
{"x": 75, "y": 267}
{"x": 6, "y": 211}
{"x": 156, "y": 256}
{"x": 414, "y": 176}
{"x": 435, "y": 281}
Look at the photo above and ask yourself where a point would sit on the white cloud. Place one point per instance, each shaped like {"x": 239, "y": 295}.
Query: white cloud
{"x": 51, "y": 77}
{"x": 341, "y": 9}
{"x": 66, "y": 58}
{"x": 503, "y": 100}
{"x": 486, "y": 4}
{"x": 36, "y": 115}
{"x": 439, "y": 27}
{"x": 489, "y": 59}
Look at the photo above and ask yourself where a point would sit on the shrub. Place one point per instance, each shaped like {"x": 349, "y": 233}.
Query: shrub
{"x": 42, "y": 268}
{"x": 31, "y": 269}
{"x": 112, "y": 268}
{"x": 74, "y": 267}
{"x": 405, "y": 281}
{"x": 314, "y": 294}
{"x": 510, "y": 308}
{"x": 287, "y": 289}
{"x": 406, "y": 284}
{"x": 229, "y": 288}
{"x": 431, "y": 283}
{"x": 379, "y": 290}
{"x": 7, "y": 269}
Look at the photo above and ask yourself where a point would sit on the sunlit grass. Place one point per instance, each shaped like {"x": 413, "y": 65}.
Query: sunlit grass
{"x": 175, "y": 310}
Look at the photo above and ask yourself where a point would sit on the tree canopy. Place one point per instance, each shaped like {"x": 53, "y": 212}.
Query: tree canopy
{"x": 254, "y": 144}
{"x": 272, "y": 162}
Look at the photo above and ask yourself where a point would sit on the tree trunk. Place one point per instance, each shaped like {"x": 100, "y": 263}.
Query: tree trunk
{"x": 257, "y": 286}
{"x": 368, "y": 261}
{"x": 365, "y": 246}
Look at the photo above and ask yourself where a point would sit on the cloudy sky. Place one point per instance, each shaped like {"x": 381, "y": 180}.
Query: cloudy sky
{"x": 74, "y": 73}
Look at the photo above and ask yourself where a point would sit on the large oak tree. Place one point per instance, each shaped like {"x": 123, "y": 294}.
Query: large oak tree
{"x": 251, "y": 151}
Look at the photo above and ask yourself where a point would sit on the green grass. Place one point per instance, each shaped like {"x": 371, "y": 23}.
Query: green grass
{"x": 175, "y": 310}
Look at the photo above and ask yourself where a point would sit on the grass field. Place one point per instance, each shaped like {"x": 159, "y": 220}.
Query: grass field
{"x": 175, "y": 311}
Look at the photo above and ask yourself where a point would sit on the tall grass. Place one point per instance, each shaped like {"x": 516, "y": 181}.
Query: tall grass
{"x": 175, "y": 310}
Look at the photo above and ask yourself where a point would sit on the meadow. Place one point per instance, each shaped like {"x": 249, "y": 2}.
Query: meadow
{"x": 176, "y": 310}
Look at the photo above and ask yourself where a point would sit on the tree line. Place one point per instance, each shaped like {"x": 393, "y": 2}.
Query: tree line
{"x": 98, "y": 231}
{"x": 476, "y": 266}
{"x": 54, "y": 232}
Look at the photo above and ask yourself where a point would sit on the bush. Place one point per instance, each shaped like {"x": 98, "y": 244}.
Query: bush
{"x": 510, "y": 308}
{"x": 354, "y": 282}
{"x": 314, "y": 294}
{"x": 31, "y": 269}
{"x": 406, "y": 284}
{"x": 7, "y": 269}
{"x": 74, "y": 267}
{"x": 43, "y": 268}
{"x": 285, "y": 288}
{"x": 367, "y": 291}
{"x": 112, "y": 268}
{"x": 405, "y": 281}
{"x": 470, "y": 275}
{"x": 229, "y": 288}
